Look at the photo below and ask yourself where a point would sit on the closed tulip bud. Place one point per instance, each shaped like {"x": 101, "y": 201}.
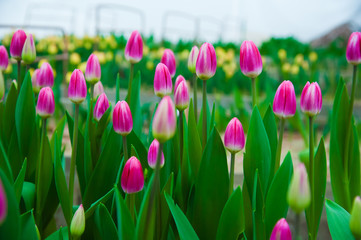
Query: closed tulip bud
{"x": 168, "y": 59}
{"x": 179, "y": 79}
{"x": 17, "y": 44}
{"x": 4, "y": 58}
{"x": 77, "y": 225}
{"x": 192, "y": 59}
{"x": 92, "y": 71}
{"x": 29, "y": 53}
{"x": 77, "y": 87}
{"x": 284, "y": 103}
{"x": 234, "y": 136}
{"x": 299, "y": 195}
{"x": 122, "y": 118}
{"x": 101, "y": 107}
{"x": 46, "y": 75}
{"x": 250, "y": 59}
{"x": 355, "y": 218}
{"x": 46, "y": 104}
{"x": 3, "y": 203}
{"x": 353, "y": 50}
{"x": 281, "y": 231}
{"x": 181, "y": 96}
{"x": 162, "y": 81}
{"x": 164, "y": 121}
{"x": 35, "y": 81}
{"x": 98, "y": 89}
{"x": 2, "y": 86}
{"x": 206, "y": 64}
{"x": 134, "y": 48}
{"x": 311, "y": 99}
{"x": 153, "y": 154}
{"x": 132, "y": 177}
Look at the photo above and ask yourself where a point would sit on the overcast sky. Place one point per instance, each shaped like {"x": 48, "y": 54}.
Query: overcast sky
{"x": 230, "y": 19}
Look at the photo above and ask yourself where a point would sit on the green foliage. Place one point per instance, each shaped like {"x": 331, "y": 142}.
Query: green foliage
{"x": 338, "y": 221}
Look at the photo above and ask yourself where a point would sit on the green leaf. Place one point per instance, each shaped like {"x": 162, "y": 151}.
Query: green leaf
{"x": 133, "y": 139}
{"x": 5, "y": 164}
{"x": 135, "y": 105}
{"x": 28, "y": 228}
{"x": 61, "y": 234}
{"x": 28, "y": 195}
{"x": 258, "y": 209}
{"x": 164, "y": 210}
{"x": 105, "y": 223}
{"x": 194, "y": 143}
{"x": 269, "y": 122}
{"x": 185, "y": 229}
{"x": 18, "y": 184}
{"x": 212, "y": 122}
{"x": 232, "y": 222}
{"x": 59, "y": 130}
{"x": 89, "y": 212}
{"x": 126, "y": 228}
{"x": 9, "y": 114}
{"x": 338, "y": 220}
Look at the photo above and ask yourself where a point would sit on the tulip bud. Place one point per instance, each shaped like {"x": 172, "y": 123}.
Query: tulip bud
{"x": 92, "y": 71}
{"x": 98, "y": 89}
{"x": 17, "y": 44}
{"x": 132, "y": 177}
{"x": 353, "y": 50}
{"x": 250, "y": 59}
{"x": 355, "y": 218}
{"x": 2, "y": 86}
{"x": 134, "y": 48}
{"x": 281, "y": 231}
{"x": 77, "y": 225}
{"x": 3, "y": 203}
{"x": 46, "y": 104}
{"x": 46, "y": 75}
{"x": 4, "y": 58}
{"x": 164, "y": 121}
{"x": 29, "y": 53}
{"x": 122, "y": 118}
{"x": 234, "y": 136}
{"x": 179, "y": 79}
{"x": 284, "y": 103}
{"x": 77, "y": 87}
{"x": 162, "y": 81}
{"x": 101, "y": 107}
{"x": 311, "y": 99}
{"x": 299, "y": 195}
{"x": 35, "y": 80}
{"x": 153, "y": 154}
{"x": 181, "y": 96}
{"x": 192, "y": 59}
{"x": 206, "y": 64}
{"x": 168, "y": 59}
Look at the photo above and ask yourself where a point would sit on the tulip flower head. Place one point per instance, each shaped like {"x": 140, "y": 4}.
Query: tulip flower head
{"x": 153, "y": 154}
{"x": 192, "y": 59}
{"x": 4, "y": 58}
{"x": 299, "y": 193}
{"x": 77, "y": 89}
{"x": 179, "y": 79}
{"x": 281, "y": 231}
{"x": 162, "y": 81}
{"x": 311, "y": 99}
{"x": 122, "y": 119}
{"x": 206, "y": 64}
{"x": 355, "y": 218}
{"x": 35, "y": 80}
{"x": 98, "y": 89}
{"x": 101, "y": 106}
{"x": 92, "y": 70}
{"x": 353, "y": 50}
{"x": 3, "y": 203}
{"x": 284, "y": 103}
{"x": 17, "y": 44}
{"x": 29, "y": 52}
{"x": 132, "y": 180}
{"x": 134, "y": 48}
{"x": 234, "y": 139}
{"x": 250, "y": 60}
{"x": 164, "y": 121}
{"x": 77, "y": 225}
{"x": 46, "y": 75}
{"x": 46, "y": 104}
{"x": 181, "y": 96}
{"x": 168, "y": 59}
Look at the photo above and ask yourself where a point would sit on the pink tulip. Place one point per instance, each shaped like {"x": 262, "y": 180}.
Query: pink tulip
{"x": 164, "y": 121}
{"x": 168, "y": 59}
{"x": 192, "y": 59}
{"x": 4, "y": 58}
{"x": 46, "y": 104}
{"x": 311, "y": 99}
{"x": 179, "y": 79}
{"x": 122, "y": 118}
{"x": 98, "y": 89}
{"x": 234, "y": 136}
{"x": 281, "y": 231}
{"x": 3, "y": 203}
{"x": 181, "y": 96}
{"x": 35, "y": 80}
{"x": 284, "y": 103}
{"x": 353, "y": 50}
{"x": 46, "y": 75}
{"x": 77, "y": 225}
{"x": 206, "y": 64}
{"x": 17, "y": 44}
{"x": 92, "y": 71}
{"x": 153, "y": 154}
{"x": 132, "y": 180}
{"x": 77, "y": 89}
{"x": 134, "y": 48}
{"x": 162, "y": 81}
{"x": 29, "y": 53}
{"x": 250, "y": 59}
{"x": 299, "y": 193}
{"x": 101, "y": 106}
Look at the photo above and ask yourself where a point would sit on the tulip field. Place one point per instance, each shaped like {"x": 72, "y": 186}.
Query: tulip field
{"x": 134, "y": 168}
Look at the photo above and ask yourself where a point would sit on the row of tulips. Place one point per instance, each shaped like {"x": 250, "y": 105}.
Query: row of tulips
{"x": 180, "y": 187}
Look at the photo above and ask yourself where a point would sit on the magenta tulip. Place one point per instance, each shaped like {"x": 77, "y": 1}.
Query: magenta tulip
{"x": 353, "y": 50}
{"x": 206, "y": 64}
{"x": 3, "y": 203}
{"x": 122, "y": 118}
{"x": 29, "y": 53}
{"x": 77, "y": 89}
{"x": 101, "y": 107}
{"x": 153, "y": 153}
{"x": 46, "y": 75}
{"x": 179, "y": 79}
{"x": 164, "y": 121}
{"x": 311, "y": 99}
{"x": 250, "y": 60}
{"x": 134, "y": 48}
{"x": 17, "y": 44}
{"x": 46, "y": 104}
{"x": 168, "y": 59}
{"x": 281, "y": 231}
{"x": 92, "y": 71}
{"x": 98, "y": 89}
{"x": 284, "y": 102}
{"x": 162, "y": 81}
{"x": 234, "y": 139}
{"x": 192, "y": 59}
{"x": 4, "y": 58}
{"x": 181, "y": 96}
{"x": 132, "y": 180}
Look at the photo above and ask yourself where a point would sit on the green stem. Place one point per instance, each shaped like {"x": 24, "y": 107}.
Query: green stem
{"x": 117, "y": 87}
{"x": 297, "y": 226}
{"x": 19, "y": 75}
{"x": 125, "y": 149}
{"x": 204, "y": 104}
{"x": 195, "y": 97}
{"x": 130, "y": 82}
{"x": 231, "y": 180}
{"x": 311, "y": 173}
{"x": 73, "y": 156}
{"x": 254, "y": 92}
{"x": 279, "y": 145}
{"x": 181, "y": 136}
{"x": 132, "y": 205}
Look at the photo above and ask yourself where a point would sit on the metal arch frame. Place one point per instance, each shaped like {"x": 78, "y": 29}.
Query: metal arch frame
{"x": 216, "y": 21}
